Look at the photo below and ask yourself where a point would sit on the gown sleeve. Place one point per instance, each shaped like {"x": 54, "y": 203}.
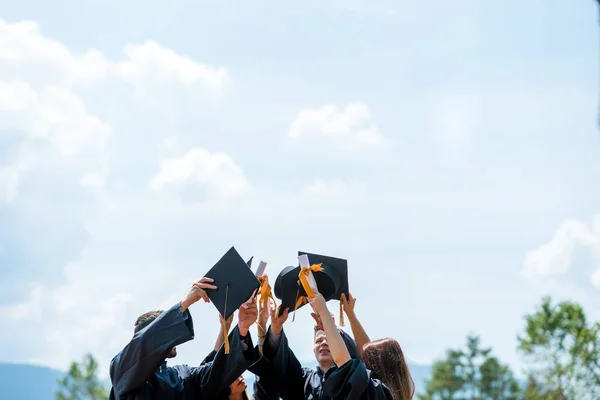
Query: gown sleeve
{"x": 214, "y": 375}
{"x": 148, "y": 348}
{"x": 209, "y": 357}
{"x": 263, "y": 387}
{"x": 352, "y": 381}
{"x": 284, "y": 375}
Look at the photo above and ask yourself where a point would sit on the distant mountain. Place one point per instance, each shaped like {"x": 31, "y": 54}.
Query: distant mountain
{"x": 22, "y": 381}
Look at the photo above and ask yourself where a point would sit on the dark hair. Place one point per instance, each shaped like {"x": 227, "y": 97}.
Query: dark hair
{"x": 145, "y": 319}
{"x": 386, "y": 361}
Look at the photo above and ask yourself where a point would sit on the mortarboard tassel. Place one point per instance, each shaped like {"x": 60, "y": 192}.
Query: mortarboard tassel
{"x": 303, "y": 275}
{"x": 224, "y": 323}
{"x": 265, "y": 292}
{"x": 341, "y": 312}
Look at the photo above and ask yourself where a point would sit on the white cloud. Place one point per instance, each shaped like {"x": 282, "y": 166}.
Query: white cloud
{"x": 150, "y": 65}
{"x": 555, "y": 258}
{"x": 215, "y": 171}
{"x": 71, "y": 117}
{"x": 55, "y": 114}
{"x": 351, "y": 127}
{"x": 39, "y": 94}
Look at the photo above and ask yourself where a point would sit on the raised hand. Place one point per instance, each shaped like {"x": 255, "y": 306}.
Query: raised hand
{"x": 318, "y": 322}
{"x": 319, "y": 305}
{"x": 278, "y": 321}
{"x": 348, "y": 304}
{"x": 247, "y": 315}
{"x": 264, "y": 313}
{"x": 197, "y": 292}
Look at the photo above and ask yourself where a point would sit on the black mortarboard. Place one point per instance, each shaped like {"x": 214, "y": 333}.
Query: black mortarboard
{"x": 249, "y": 262}
{"x": 235, "y": 283}
{"x": 332, "y": 281}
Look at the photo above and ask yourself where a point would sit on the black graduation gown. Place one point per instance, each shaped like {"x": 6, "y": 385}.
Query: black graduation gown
{"x": 291, "y": 380}
{"x": 262, "y": 390}
{"x": 140, "y": 372}
{"x": 352, "y": 381}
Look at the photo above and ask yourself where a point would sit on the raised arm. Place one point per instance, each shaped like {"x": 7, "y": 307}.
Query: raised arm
{"x": 338, "y": 349}
{"x": 149, "y": 347}
{"x": 221, "y": 337}
{"x": 261, "y": 325}
{"x": 348, "y": 340}
{"x": 216, "y": 374}
{"x": 359, "y": 333}
{"x": 220, "y": 340}
{"x": 285, "y": 373}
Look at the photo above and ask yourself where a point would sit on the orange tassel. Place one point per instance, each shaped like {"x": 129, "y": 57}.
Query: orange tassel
{"x": 223, "y": 322}
{"x": 341, "y": 313}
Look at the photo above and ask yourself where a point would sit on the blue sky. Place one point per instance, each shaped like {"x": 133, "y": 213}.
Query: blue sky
{"x": 449, "y": 151}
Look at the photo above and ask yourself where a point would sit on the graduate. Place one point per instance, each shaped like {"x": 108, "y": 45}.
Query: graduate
{"x": 287, "y": 375}
{"x": 238, "y": 389}
{"x": 350, "y": 380}
{"x": 140, "y": 371}
{"x": 384, "y": 357}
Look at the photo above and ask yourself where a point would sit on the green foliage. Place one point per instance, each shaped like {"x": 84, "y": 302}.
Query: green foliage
{"x": 562, "y": 352}
{"x": 81, "y": 382}
{"x": 471, "y": 374}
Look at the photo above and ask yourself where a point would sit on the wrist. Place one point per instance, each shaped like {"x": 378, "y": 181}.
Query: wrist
{"x": 276, "y": 330}
{"x": 324, "y": 313}
{"x": 243, "y": 330}
{"x": 185, "y": 304}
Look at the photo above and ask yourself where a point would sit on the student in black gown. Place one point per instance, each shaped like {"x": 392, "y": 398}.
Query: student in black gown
{"x": 238, "y": 389}
{"x": 286, "y": 374}
{"x": 384, "y": 357}
{"x": 140, "y": 371}
{"x": 350, "y": 380}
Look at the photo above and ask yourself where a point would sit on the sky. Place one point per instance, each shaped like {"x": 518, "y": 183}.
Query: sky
{"x": 449, "y": 151}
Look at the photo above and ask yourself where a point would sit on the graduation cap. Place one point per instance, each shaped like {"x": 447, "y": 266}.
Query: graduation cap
{"x": 235, "y": 284}
{"x": 329, "y": 275}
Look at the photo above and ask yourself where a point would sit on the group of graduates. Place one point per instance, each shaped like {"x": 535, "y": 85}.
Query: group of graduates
{"x": 348, "y": 368}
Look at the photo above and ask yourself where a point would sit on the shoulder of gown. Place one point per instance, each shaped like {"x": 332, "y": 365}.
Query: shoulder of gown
{"x": 352, "y": 381}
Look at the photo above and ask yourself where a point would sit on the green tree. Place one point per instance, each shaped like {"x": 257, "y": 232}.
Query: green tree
{"x": 562, "y": 351}
{"x": 82, "y": 382}
{"x": 536, "y": 391}
{"x": 471, "y": 373}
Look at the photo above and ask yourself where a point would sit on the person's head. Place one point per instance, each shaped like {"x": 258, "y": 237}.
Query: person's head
{"x": 386, "y": 361}
{"x": 237, "y": 387}
{"x": 146, "y": 319}
{"x": 321, "y": 350}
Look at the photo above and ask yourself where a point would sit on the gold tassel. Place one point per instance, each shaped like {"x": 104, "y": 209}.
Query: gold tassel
{"x": 341, "y": 313}
{"x": 303, "y": 275}
{"x": 265, "y": 292}
{"x": 223, "y": 322}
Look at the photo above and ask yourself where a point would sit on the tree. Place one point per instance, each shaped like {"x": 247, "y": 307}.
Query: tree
{"x": 562, "y": 351}
{"x": 471, "y": 374}
{"x": 82, "y": 382}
